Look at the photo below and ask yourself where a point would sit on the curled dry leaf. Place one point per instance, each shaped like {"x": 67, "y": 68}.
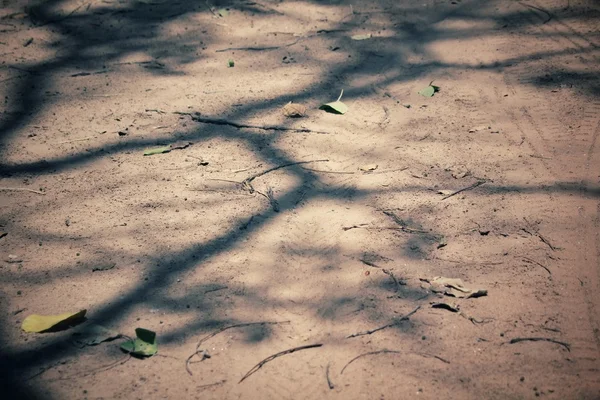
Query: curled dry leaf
{"x": 453, "y": 287}
{"x": 368, "y": 167}
{"x": 294, "y": 110}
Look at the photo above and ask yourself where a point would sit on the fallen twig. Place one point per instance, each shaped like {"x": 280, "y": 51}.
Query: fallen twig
{"x": 202, "y": 387}
{"x": 61, "y": 18}
{"x": 539, "y": 235}
{"x": 549, "y": 16}
{"x": 539, "y": 339}
{"x": 329, "y": 383}
{"x": 78, "y": 74}
{"x": 347, "y": 228}
{"x": 471, "y": 187}
{"x": 205, "y": 338}
{"x": 92, "y": 371}
{"x": 215, "y": 289}
{"x": 11, "y": 189}
{"x": 274, "y": 356}
{"x": 256, "y": 48}
{"x": 329, "y": 172}
{"x": 402, "y": 225}
{"x": 434, "y": 356}
{"x": 77, "y": 140}
{"x": 529, "y": 260}
{"x": 391, "y": 275}
{"x": 385, "y": 271}
{"x": 218, "y": 121}
{"x": 547, "y": 242}
{"x": 371, "y": 353}
{"x": 246, "y": 183}
{"x": 396, "y": 322}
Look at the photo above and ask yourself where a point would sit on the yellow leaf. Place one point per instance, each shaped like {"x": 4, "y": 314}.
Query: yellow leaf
{"x": 44, "y": 323}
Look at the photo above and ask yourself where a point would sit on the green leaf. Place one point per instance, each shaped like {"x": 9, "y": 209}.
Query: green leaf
{"x": 231, "y": 63}
{"x": 52, "y": 323}
{"x": 158, "y": 150}
{"x": 429, "y": 90}
{"x": 362, "y": 37}
{"x": 223, "y": 12}
{"x": 144, "y": 345}
{"x": 335, "y": 107}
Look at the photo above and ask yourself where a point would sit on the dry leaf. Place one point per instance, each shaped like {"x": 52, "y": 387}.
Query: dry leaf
{"x": 362, "y": 37}
{"x": 459, "y": 171}
{"x": 453, "y": 287}
{"x": 368, "y": 167}
{"x": 335, "y": 107}
{"x": 294, "y": 110}
{"x": 47, "y": 323}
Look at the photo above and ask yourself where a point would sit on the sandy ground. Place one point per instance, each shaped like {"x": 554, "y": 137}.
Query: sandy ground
{"x": 205, "y": 237}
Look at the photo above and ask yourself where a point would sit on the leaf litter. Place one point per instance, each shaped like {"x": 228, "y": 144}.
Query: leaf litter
{"x": 36, "y": 323}
{"x": 453, "y": 287}
{"x": 430, "y": 90}
{"x": 144, "y": 345}
{"x": 362, "y": 37}
{"x": 294, "y": 110}
{"x": 335, "y": 107}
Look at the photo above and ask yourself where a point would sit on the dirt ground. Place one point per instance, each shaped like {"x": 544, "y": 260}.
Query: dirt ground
{"x": 339, "y": 249}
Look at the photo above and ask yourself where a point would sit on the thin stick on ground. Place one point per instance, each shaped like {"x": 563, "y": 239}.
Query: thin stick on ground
{"x": 219, "y": 121}
{"x": 470, "y": 187}
{"x": 396, "y": 322}
{"x": 371, "y": 353}
{"x": 548, "y": 14}
{"x": 391, "y": 275}
{"x": 329, "y": 383}
{"x": 209, "y": 385}
{"x": 215, "y": 333}
{"x": 77, "y": 140}
{"x": 96, "y": 370}
{"x": 260, "y": 48}
{"x": 402, "y": 225}
{"x": 540, "y": 339}
{"x": 14, "y": 189}
{"x": 434, "y": 356}
{"x": 539, "y": 235}
{"x": 529, "y": 260}
{"x": 385, "y": 271}
{"x": 329, "y": 172}
{"x": 274, "y": 356}
{"x": 246, "y": 183}
{"x": 347, "y": 228}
